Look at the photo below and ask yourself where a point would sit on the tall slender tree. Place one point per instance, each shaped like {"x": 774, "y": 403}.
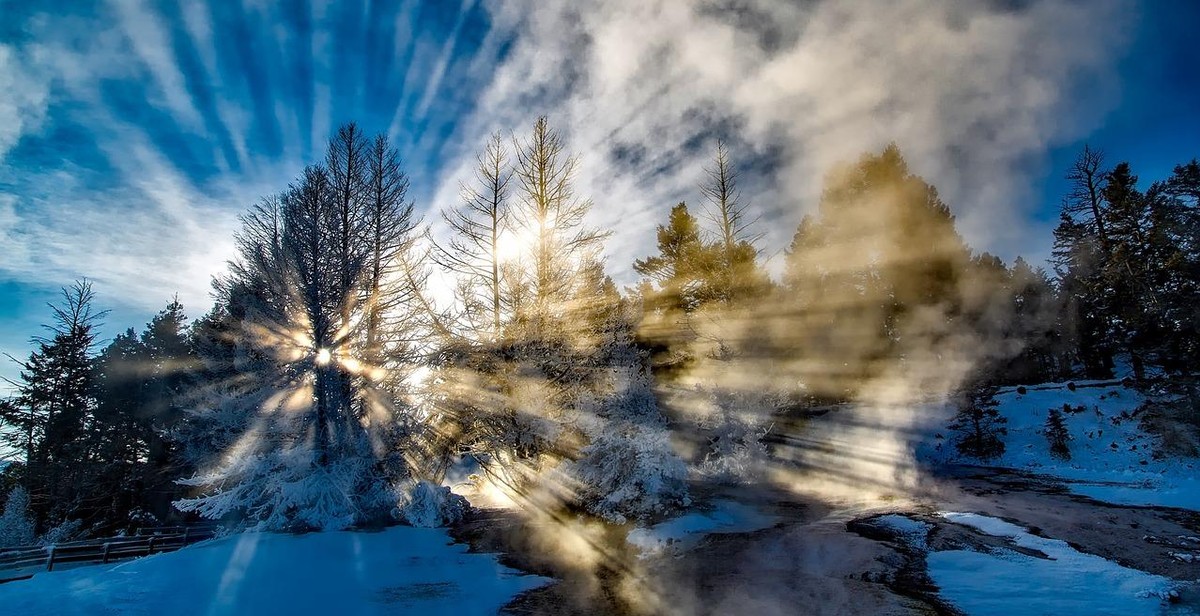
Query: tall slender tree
{"x": 736, "y": 274}
{"x": 553, "y": 216}
{"x": 477, "y": 227}
{"x": 57, "y": 390}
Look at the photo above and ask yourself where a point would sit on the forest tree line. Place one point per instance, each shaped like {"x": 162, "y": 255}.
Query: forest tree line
{"x": 327, "y": 380}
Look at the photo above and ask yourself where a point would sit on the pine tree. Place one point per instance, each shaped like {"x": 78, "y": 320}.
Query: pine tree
{"x": 57, "y": 392}
{"x": 1057, "y": 435}
{"x": 123, "y": 448}
{"x": 168, "y": 363}
{"x": 1035, "y": 310}
{"x": 680, "y": 267}
{"x": 877, "y": 275}
{"x": 979, "y": 424}
{"x": 1176, "y": 239}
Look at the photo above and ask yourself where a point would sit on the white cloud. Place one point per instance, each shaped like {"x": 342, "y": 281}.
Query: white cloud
{"x": 974, "y": 93}
{"x": 24, "y": 96}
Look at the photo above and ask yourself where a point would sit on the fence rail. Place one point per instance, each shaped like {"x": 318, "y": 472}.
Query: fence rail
{"x": 16, "y": 562}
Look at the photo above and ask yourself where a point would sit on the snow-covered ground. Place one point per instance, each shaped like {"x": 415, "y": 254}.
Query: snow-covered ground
{"x": 399, "y": 570}
{"x": 1004, "y": 582}
{"x": 1111, "y": 457}
{"x": 682, "y": 532}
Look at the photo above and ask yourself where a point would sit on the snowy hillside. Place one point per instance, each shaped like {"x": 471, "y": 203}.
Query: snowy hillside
{"x": 400, "y": 570}
{"x": 1111, "y": 457}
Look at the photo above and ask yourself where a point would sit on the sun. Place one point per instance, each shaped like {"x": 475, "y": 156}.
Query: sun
{"x": 323, "y": 357}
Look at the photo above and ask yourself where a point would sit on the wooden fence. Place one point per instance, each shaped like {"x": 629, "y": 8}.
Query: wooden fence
{"x": 17, "y": 563}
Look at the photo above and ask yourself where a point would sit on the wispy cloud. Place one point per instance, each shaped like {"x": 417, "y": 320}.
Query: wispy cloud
{"x": 133, "y": 135}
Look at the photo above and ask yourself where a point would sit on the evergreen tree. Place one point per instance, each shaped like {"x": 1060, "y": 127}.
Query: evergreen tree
{"x": 1034, "y": 325}
{"x": 57, "y": 393}
{"x": 123, "y": 434}
{"x": 877, "y": 275}
{"x": 978, "y": 424}
{"x": 1057, "y": 435}
{"x": 1128, "y": 265}
{"x": 1176, "y": 238}
{"x": 168, "y": 364}
{"x": 679, "y": 269}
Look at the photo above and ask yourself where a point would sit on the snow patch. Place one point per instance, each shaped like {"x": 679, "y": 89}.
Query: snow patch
{"x": 1006, "y": 582}
{"x": 685, "y": 531}
{"x": 399, "y": 570}
{"x": 914, "y": 532}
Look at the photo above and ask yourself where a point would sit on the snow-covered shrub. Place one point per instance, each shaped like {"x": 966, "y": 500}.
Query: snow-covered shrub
{"x": 16, "y": 526}
{"x": 628, "y": 469}
{"x": 269, "y": 475}
{"x": 287, "y": 490}
{"x": 141, "y": 517}
{"x": 67, "y": 531}
{"x": 430, "y": 506}
{"x": 735, "y": 428}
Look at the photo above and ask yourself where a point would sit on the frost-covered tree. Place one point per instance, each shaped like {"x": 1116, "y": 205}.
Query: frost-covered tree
{"x": 16, "y": 523}
{"x": 303, "y": 422}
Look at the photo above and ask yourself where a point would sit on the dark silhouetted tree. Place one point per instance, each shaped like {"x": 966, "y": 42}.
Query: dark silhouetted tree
{"x": 1057, "y": 435}
{"x": 979, "y": 425}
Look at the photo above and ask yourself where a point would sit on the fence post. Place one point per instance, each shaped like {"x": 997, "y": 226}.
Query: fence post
{"x": 150, "y": 545}
{"x": 50, "y": 560}
{"x": 186, "y": 532}
{"x": 107, "y": 547}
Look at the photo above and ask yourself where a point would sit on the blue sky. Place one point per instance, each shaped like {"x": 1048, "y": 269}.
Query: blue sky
{"x": 133, "y": 133}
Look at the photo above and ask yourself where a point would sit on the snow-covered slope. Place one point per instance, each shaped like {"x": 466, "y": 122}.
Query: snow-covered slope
{"x": 399, "y": 570}
{"x": 1111, "y": 456}
{"x": 1051, "y": 578}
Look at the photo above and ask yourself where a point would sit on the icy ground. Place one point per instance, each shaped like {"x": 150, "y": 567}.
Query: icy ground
{"x": 683, "y": 532}
{"x": 399, "y": 570}
{"x": 1048, "y": 577}
{"x": 1112, "y": 458}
